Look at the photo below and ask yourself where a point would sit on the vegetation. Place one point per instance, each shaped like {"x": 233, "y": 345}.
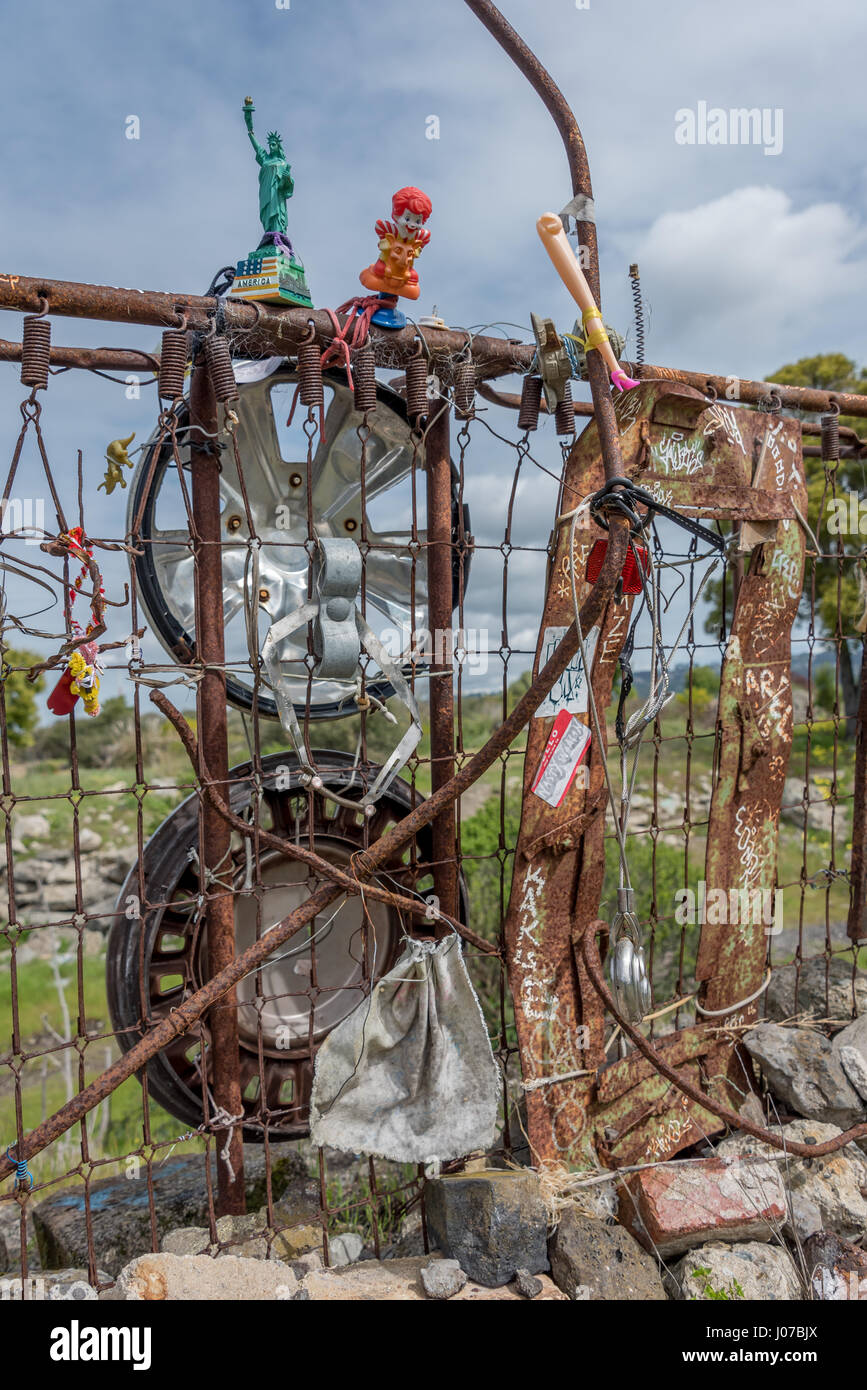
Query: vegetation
{"x": 22, "y": 706}
{"x": 732, "y": 1290}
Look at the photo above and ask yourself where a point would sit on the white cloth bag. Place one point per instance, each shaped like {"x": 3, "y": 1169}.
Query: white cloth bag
{"x": 410, "y": 1074}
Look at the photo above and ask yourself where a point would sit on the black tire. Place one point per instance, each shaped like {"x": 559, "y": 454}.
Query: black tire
{"x": 137, "y": 947}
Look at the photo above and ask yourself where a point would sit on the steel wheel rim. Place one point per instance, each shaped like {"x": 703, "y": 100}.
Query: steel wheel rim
{"x": 395, "y": 571}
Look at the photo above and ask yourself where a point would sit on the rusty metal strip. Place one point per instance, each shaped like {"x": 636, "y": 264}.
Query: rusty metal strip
{"x": 539, "y": 922}
{"x": 755, "y": 734}
{"x": 856, "y": 926}
{"x": 617, "y": 1078}
{"x": 258, "y": 328}
{"x": 704, "y": 1101}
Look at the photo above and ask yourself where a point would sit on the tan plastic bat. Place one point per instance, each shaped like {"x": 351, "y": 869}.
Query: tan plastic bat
{"x": 554, "y": 239}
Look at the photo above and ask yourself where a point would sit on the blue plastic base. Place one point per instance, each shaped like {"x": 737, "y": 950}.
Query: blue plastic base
{"x": 389, "y": 316}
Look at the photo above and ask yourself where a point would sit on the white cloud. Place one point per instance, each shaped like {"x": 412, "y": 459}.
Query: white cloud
{"x": 748, "y": 280}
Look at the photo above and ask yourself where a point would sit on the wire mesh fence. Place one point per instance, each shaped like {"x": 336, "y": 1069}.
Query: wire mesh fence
{"x": 261, "y": 758}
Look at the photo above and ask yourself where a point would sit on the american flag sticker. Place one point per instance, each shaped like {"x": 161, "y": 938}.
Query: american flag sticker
{"x": 567, "y": 744}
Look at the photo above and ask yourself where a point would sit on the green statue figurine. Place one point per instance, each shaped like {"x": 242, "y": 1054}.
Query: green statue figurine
{"x": 272, "y": 273}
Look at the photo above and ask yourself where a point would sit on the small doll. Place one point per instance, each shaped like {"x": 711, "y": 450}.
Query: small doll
{"x": 401, "y": 242}
{"x": 550, "y": 229}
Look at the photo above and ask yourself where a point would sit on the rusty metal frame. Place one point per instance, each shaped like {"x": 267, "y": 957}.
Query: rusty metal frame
{"x": 639, "y": 1086}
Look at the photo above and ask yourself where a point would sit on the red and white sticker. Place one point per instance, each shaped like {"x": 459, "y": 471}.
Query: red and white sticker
{"x": 567, "y": 744}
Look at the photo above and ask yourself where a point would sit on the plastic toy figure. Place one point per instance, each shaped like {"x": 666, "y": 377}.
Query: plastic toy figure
{"x": 272, "y": 273}
{"x": 79, "y": 680}
{"x": 550, "y": 229}
{"x": 401, "y": 242}
{"x": 117, "y": 459}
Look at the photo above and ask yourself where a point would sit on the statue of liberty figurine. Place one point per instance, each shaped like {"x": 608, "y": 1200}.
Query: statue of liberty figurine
{"x": 272, "y": 273}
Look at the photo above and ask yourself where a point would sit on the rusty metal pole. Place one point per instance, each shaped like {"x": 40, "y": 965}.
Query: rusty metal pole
{"x": 857, "y": 922}
{"x": 224, "y": 1070}
{"x": 442, "y": 692}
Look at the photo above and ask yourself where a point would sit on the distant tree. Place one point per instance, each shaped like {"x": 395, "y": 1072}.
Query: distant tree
{"x": 703, "y": 690}
{"x": 98, "y": 741}
{"x": 22, "y": 707}
{"x": 840, "y": 597}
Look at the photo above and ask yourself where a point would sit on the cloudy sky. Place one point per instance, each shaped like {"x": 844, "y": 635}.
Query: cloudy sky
{"x": 748, "y": 259}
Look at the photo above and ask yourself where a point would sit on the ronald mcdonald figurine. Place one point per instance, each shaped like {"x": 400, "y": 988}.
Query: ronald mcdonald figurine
{"x": 401, "y": 242}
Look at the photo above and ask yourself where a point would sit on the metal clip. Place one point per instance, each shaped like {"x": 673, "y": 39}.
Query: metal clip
{"x": 627, "y": 968}
{"x": 337, "y": 579}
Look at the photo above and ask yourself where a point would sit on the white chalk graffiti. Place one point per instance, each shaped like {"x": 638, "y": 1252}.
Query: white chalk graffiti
{"x": 748, "y": 822}
{"x": 789, "y": 566}
{"x": 537, "y": 997}
{"x": 718, "y": 416}
{"x": 627, "y": 408}
{"x": 663, "y": 494}
{"x": 677, "y": 454}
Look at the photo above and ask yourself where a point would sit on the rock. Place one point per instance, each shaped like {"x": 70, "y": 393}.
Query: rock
{"x": 409, "y": 1241}
{"x": 836, "y": 1269}
{"x": 492, "y": 1222}
{"x": 443, "y": 1278}
{"x": 850, "y": 1045}
{"x": 58, "y": 891}
{"x": 120, "y": 1210}
{"x": 294, "y": 1241}
{"x": 819, "y": 808}
{"x": 803, "y": 1070}
{"x": 33, "y": 873}
{"x": 236, "y": 1235}
{"x": 4, "y": 1255}
{"x": 673, "y": 1206}
{"x": 824, "y": 1193}
{"x": 32, "y": 827}
{"x": 88, "y": 840}
{"x": 854, "y": 1065}
{"x": 741, "y": 1272}
{"x": 345, "y": 1249}
{"x": 186, "y": 1240}
{"x": 175, "y": 1278}
{"x": 593, "y": 1260}
{"x": 781, "y": 1001}
{"x": 306, "y": 1263}
{"x": 400, "y": 1281}
{"x": 527, "y": 1284}
{"x": 57, "y": 1285}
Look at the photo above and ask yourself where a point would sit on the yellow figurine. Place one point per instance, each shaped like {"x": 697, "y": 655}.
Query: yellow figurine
{"x": 117, "y": 459}
{"x": 84, "y": 682}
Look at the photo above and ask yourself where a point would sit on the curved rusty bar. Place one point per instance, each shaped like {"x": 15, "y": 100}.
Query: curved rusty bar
{"x": 540, "y": 79}
{"x": 561, "y": 112}
{"x": 590, "y": 953}
{"x": 510, "y": 400}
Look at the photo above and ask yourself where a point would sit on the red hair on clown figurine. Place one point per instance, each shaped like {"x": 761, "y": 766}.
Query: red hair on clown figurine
{"x": 401, "y": 242}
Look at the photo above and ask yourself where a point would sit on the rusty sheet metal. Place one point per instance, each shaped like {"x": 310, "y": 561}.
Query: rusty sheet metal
{"x": 754, "y": 741}
{"x": 639, "y": 1116}
{"x": 717, "y": 503}
{"x": 539, "y": 922}
{"x": 706, "y": 452}
{"x": 617, "y": 1078}
{"x": 653, "y": 1121}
